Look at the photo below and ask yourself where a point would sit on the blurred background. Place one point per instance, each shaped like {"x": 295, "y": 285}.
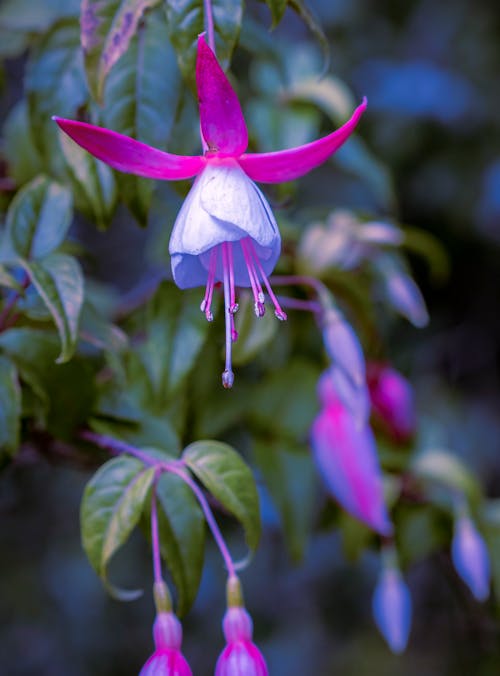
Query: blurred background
{"x": 431, "y": 72}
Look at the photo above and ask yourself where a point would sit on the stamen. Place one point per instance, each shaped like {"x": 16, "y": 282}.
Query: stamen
{"x": 228, "y": 375}
{"x": 258, "y": 295}
{"x": 280, "y": 314}
{"x": 209, "y": 290}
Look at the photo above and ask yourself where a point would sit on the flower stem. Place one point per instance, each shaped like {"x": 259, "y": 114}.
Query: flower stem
{"x": 299, "y": 304}
{"x": 115, "y": 446}
{"x": 209, "y": 24}
{"x": 155, "y": 537}
{"x": 303, "y": 280}
{"x": 212, "y": 523}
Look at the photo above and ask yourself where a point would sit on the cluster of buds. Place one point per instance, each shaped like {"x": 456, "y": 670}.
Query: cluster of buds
{"x": 240, "y": 657}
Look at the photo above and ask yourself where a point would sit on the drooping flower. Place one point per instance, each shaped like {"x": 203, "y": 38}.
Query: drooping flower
{"x": 392, "y": 608}
{"x": 167, "y": 659}
{"x": 240, "y": 657}
{"x": 392, "y": 401}
{"x": 225, "y": 231}
{"x": 470, "y": 557}
{"x": 345, "y": 452}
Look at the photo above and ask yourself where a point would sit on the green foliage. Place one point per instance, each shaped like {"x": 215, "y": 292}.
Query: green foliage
{"x": 186, "y": 21}
{"x": 141, "y": 98}
{"x": 292, "y": 482}
{"x": 111, "y": 507}
{"x": 229, "y": 480}
{"x": 38, "y": 218}
{"x": 107, "y": 26}
{"x": 10, "y": 407}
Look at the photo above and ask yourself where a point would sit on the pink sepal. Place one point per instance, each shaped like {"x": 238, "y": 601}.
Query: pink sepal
{"x": 287, "y": 165}
{"x": 128, "y": 155}
{"x": 222, "y": 122}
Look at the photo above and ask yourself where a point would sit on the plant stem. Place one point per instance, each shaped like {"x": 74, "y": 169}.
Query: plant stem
{"x": 209, "y": 24}
{"x": 116, "y": 447}
{"x": 212, "y": 523}
{"x": 299, "y": 304}
{"x": 155, "y": 537}
{"x": 302, "y": 280}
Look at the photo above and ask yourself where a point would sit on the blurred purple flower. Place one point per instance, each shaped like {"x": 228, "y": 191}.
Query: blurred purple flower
{"x": 392, "y": 401}
{"x": 392, "y": 608}
{"x": 335, "y": 385}
{"x": 240, "y": 657}
{"x": 470, "y": 557}
{"x": 167, "y": 659}
{"x": 346, "y": 456}
{"x": 343, "y": 346}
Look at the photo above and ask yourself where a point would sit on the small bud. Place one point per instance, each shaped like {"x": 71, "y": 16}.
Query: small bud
{"x": 227, "y": 379}
{"x": 470, "y": 557}
{"x": 240, "y": 657}
{"x": 167, "y": 659}
{"x": 392, "y": 608}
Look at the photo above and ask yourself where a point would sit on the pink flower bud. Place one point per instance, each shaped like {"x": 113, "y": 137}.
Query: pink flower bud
{"x": 346, "y": 456}
{"x": 167, "y": 659}
{"x": 392, "y": 401}
{"x": 240, "y": 657}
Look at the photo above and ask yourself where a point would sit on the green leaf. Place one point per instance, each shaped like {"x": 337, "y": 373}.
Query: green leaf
{"x": 442, "y": 468}
{"x": 34, "y": 16}
{"x": 34, "y": 351}
{"x": 182, "y": 537}
{"x": 93, "y": 182}
{"x": 107, "y": 26}
{"x": 278, "y": 8}
{"x": 229, "y": 480}
{"x": 112, "y": 504}
{"x": 186, "y": 21}
{"x": 59, "y": 281}
{"x": 176, "y": 330}
{"x": 23, "y": 160}
{"x": 300, "y": 7}
{"x": 285, "y": 402}
{"x": 7, "y": 280}
{"x": 420, "y": 531}
{"x": 141, "y": 97}
{"x": 292, "y": 481}
{"x": 38, "y": 218}
{"x": 330, "y": 94}
{"x": 10, "y": 407}
{"x": 55, "y": 85}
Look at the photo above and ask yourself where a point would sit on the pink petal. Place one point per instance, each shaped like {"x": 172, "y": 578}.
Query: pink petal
{"x": 287, "y": 165}
{"x": 222, "y": 122}
{"x": 133, "y": 157}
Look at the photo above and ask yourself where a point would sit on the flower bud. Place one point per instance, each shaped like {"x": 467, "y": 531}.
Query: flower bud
{"x": 346, "y": 456}
{"x": 392, "y": 402}
{"x": 167, "y": 659}
{"x": 343, "y": 346}
{"x": 240, "y": 657}
{"x": 392, "y": 608}
{"x": 470, "y": 557}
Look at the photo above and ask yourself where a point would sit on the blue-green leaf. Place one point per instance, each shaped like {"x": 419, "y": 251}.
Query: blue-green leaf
{"x": 10, "y": 407}
{"x": 107, "y": 26}
{"x": 38, "y": 218}
{"x": 34, "y": 16}
{"x": 111, "y": 508}
{"x": 55, "y": 85}
{"x": 141, "y": 97}
{"x": 23, "y": 159}
{"x": 59, "y": 281}
{"x": 229, "y": 479}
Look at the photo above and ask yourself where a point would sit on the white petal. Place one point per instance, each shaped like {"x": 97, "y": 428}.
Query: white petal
{"x": 224, "y": 205}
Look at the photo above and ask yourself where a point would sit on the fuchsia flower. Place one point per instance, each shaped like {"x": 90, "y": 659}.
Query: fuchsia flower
{"x": 346, "y": 456}
{"x": 167, "y": 659}
{"x": 392, "y": 401}
{"x": 240, "y": 657}
{"x": 225, "y": 231}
